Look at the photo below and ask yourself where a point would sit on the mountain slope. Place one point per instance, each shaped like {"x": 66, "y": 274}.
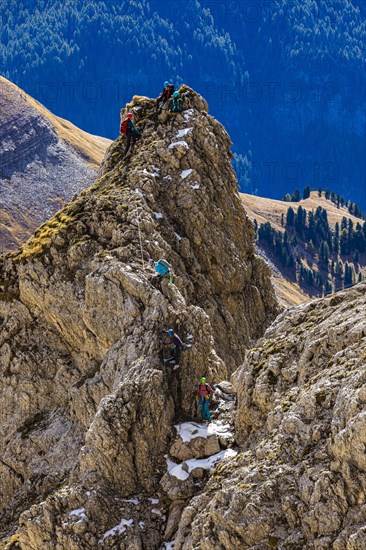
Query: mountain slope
{"x": 331, "y": 253}
{"x": 264, "y": 209}
{"x": 88, "y": 405}
{"x": 44, "y": 160}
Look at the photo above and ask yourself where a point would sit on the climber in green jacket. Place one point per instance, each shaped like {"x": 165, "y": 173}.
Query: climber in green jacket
{"x": 203, "y": 395}
{"x": 131, "y": 132}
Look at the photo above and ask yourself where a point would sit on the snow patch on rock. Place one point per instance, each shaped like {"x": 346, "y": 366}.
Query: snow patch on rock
{"x": 117, "y": 530}
{"x": 188, "y": 114}
{"x": 189, "y": 430}
{"x": 80, "y": 513}
{"x": 177, "y": 144}
{"x": 185, "y": 173}
{"x": 183, "y": 132}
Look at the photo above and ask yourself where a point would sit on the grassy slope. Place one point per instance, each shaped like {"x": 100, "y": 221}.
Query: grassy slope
{"x": 270, "y": 210}
{"x": 264, "y": 210}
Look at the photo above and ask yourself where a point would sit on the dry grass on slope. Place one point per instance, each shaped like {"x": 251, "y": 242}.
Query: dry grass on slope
{"x": 270, "y": 210}
{"x": 289, "y": 293}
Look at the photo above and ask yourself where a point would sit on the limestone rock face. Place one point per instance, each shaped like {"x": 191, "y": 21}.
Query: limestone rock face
{"x": 197, "y": 448}
{"x": 88, "y": 405}
{"x": 299, "y": 478}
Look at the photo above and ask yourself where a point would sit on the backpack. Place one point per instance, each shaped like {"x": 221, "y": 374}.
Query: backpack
{"x": 176, "y": 105}
{"x": 162, "y": 267}
{"x": 124, "y": 127}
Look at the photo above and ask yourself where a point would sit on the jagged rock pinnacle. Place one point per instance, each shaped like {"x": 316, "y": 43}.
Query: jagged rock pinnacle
{"x": 88, "y": 405}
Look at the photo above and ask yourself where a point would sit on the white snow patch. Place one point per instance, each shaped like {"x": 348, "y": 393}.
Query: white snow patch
{"x": 154, "y": 167}
{"x": 131, "y": 500}
{"x": 189, "y": 336}
{"x": 179, "y": 473}
{"x": 168, "y": 545}
{"x": 177, "y": 143}
{"x": 178, "y": 237}
{"x": 176, "y": 470}
{"x": 183, "y": 132}
{"x": 117, "y": 530}
{"x": 185, "y": 173}
{"x": 138, "y": 192}
{"x": 195, "y": 186}
{"x": 88, "y": 493}
{"x": 157, "y": 512}
{"x": 80, "y": 513}
{"x": 154, "y": 500}
{"x": 169, "y": 178}
{"x": 208, "y": 463}
{"x": 190, "y": 430}
{"x": 158, "y": 215}
{"x": 220, "y": 429}
{"x": 170, "y": 463}
{"x": 188, "y": 113}
{"x": 142, "y": 524}
{"x": 153, "y": 174}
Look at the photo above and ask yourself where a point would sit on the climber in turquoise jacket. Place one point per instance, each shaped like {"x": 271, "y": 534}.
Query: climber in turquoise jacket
{"x": 175, "y": 104}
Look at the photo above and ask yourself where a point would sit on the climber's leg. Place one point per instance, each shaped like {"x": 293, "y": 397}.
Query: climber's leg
{"x": 202, "y": 406}
{"x": 128, "y": 143}
{"x": 207, "y": 409}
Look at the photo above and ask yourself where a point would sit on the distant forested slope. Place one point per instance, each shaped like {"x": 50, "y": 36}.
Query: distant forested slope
{"x": 286, "y": 78}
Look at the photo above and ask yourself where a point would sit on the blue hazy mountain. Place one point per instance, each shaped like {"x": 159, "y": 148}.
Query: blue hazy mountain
{"x": 286, "y": 78}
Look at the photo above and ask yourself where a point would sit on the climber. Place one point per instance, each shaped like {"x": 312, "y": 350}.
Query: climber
{"x": 203, "y": 395}
{"x": 165, "y": 95}
{"x": 163, "y": 270}
{"x": 131, "y": 132}
{"x": 175, "y": 345}
{"x": 175, "y": 104}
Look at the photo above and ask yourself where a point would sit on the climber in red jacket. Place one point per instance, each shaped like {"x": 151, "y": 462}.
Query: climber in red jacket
{"x": 165, "y": 96}
{"x": 131, "y": 132}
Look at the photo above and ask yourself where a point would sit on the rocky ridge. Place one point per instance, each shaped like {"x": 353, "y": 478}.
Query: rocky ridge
{"x": 299, "y": 478}
{"x": 88, "y": 409}
{"x": 44, "y": 161}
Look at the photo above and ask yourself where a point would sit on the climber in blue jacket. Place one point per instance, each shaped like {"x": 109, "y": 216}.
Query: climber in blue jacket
{"x": 175, "y": 345}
